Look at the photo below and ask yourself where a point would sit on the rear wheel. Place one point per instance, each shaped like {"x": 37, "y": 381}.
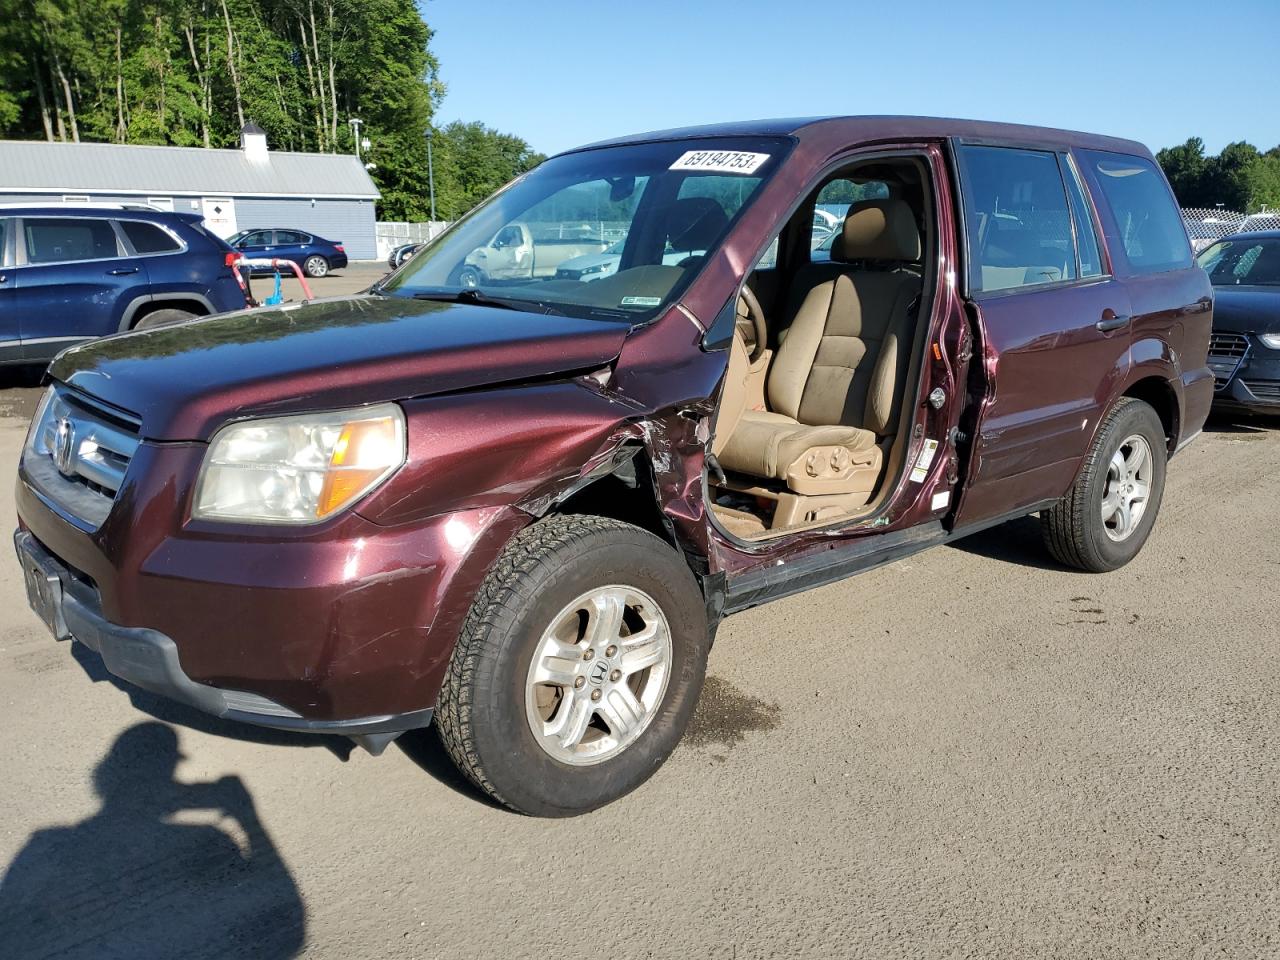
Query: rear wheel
{"x": 578, "y": 667}
{"x": 163, "y": 318}
{"x": 1106, "y": 517}
{"x": 316, "y": 267}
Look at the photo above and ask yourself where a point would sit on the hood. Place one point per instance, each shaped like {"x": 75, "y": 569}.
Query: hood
{"x": 184, "y": 381}
{"x": 1246, "y": 309}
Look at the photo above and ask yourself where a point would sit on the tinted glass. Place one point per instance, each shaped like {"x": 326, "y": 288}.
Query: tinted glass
{"x": 1149, "y": 222}
{"x": 148, "y": 238}
{"x": 291, "y": 236}
{"x": 1254, "y": 262}
{"x": 1086, "y": 232}
{"x": 63, "y": 239}
{"x": 1017, "y": 217}
{"x": 4, "y": 242}
{"x": 258, "y": 238}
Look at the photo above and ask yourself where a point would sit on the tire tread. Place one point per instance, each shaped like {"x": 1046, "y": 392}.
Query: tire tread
{"x": 499, "y": 596}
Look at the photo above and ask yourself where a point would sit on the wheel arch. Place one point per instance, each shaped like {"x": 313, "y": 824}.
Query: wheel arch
{"x": 139, "y": 307}
{"x": 1158, "y": 393}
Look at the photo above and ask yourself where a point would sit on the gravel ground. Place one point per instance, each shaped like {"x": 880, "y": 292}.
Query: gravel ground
{"x": 971, "y": 753}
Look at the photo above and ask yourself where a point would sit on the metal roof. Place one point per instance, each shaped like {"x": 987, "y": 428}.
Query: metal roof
{"x": 36, "y": 165}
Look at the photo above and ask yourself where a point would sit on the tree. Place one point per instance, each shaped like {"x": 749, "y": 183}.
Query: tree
{"x": 472, "y": 161}
{"x": 1240, "y": 177}
{"x": 192, "y": 72}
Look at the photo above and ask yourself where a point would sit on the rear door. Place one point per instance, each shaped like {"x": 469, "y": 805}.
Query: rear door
{"x": 292, "y": 245}
{"x": 10, "y": 335}
{"x": 1171, "y": 297}
{"x": 1053, "y": 321}
{"x": 73, "y": 281}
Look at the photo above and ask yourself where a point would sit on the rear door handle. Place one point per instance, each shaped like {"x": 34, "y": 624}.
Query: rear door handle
{"x": 1112, "y": 322}
{"x": 122, "y": 272}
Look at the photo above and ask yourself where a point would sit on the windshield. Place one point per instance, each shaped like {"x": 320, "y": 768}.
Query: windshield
{"x": 659, "y": 208}
{"x": 1243, "y": 261}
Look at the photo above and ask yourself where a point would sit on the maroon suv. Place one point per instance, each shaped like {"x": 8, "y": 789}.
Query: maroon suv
{"x": 520, "y": 505}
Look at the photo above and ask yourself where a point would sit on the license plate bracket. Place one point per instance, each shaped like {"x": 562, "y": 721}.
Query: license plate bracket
{"x": 44, "y": 593}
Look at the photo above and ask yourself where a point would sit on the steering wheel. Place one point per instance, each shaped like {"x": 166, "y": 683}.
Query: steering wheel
{"x": 756, "y": 315}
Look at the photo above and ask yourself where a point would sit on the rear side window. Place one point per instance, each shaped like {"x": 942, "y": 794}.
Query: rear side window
{"x": 291, "y": 236}
{"x": 66, "y": 239}
{"x": 1146, "y": 216}
{"x": 148, "y": 238}
{"x": 1019, "y": 225}
{"x": 4, "y": 242}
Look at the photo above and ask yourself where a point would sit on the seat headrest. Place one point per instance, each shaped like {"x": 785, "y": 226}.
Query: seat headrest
{"x": 695, "y": 223}
{"x": 878, "y": 230}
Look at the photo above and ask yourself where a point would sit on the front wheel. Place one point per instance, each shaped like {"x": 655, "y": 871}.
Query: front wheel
{"x": 1106, "y": 517}
{"x": 470, "y": 278}
{"x": 316, "y": 267}
{"x": 578, "y": 667}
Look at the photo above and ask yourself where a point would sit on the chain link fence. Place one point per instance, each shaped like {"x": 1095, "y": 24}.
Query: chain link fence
{"x": 1206, "y": 225}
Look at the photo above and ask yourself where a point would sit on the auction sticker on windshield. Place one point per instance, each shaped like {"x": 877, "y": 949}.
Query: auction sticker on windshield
{"x": 720, "y": 161}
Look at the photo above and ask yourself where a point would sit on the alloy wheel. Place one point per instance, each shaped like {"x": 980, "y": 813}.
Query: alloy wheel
{"x": 1127, "y": 488}
{"x": 598, "y": 675}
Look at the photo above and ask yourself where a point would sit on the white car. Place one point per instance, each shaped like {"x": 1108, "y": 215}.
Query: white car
{"x": 597, "y": 266}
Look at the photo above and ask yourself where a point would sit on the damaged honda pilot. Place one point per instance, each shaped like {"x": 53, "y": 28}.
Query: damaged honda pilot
{"x": 519, "y": 505}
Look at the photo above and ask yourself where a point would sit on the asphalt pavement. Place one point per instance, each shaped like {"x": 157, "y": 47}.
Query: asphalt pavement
{"x": 970, "y": 753}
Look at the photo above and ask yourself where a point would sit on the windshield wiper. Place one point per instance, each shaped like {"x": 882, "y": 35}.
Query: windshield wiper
{"x": 486, "y": 300}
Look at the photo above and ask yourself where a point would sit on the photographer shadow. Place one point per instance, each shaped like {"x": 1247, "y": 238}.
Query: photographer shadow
{"x": 163, "y": 869}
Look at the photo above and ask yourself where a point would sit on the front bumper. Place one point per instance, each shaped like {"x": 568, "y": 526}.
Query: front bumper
{"x": 344, "y": 624}
{"x": 1254, "y": 385}
{"x": 149, "y": 659}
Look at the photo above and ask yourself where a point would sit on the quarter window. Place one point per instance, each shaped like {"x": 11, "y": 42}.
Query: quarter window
{"x": 1147, "y": 218}
{"x": 148, "y": 238}
{"x": 1018, "y": 221}
{"x": 66, "y": 239}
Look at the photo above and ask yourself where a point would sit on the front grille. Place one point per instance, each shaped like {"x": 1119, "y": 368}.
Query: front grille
{"x": 78, "y": 452}
{"x": 1226, "y": 352}
{"x": 1264, "y": 389}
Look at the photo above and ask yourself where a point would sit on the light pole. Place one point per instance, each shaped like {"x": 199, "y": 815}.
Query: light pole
{"x": 355, "y": 123}
{"x": 431, "y": 175}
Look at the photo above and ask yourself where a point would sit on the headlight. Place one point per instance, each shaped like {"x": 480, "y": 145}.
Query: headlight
{"x": 299, "y": 469}
{"x": 1272, "y": 340}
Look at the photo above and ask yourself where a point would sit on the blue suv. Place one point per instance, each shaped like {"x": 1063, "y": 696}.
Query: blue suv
{"x": 69, "y": 274}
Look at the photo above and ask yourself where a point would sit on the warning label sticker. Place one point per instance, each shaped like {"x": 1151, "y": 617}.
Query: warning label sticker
{"x": 924, "y": 461}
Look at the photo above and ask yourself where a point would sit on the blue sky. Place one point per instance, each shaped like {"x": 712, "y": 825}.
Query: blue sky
{"x": 562, "y": 72}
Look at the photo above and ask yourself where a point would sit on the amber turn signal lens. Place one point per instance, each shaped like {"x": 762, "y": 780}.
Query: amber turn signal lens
{"x": 360, "y": 457}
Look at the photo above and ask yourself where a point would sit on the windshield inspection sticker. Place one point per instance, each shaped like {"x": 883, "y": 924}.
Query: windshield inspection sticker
{"x": 720, "y": 161}
{"x": 640, "y": 301}
{"x": 924, "y": 461}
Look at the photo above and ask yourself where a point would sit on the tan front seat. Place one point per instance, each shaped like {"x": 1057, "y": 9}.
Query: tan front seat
{"x": 833, "y": 388}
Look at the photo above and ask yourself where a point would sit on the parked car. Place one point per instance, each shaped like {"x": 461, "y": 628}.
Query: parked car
{"x": 315, "y": 255}
{"x": 514, "y": 253}
{"x": 402, "y": 253}
{"x": 1244, "y": 352}
{"x": 521, "y": 509}
{"x": 597, "y": 266}
{"x": 71, "y": 274}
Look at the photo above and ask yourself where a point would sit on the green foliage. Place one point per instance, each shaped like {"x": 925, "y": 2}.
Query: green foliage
{"x": 1240, "y": 177}
{"x": 191, "y": 72}
{"x": 471, "y": 161}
